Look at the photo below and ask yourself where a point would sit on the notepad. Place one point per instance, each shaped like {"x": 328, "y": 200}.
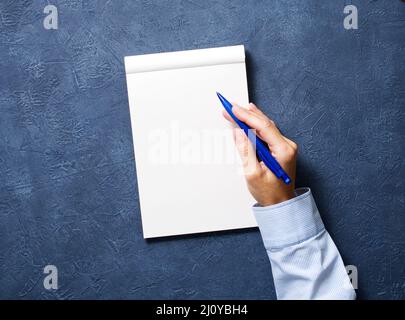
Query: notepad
{"x": 188, "y": 171}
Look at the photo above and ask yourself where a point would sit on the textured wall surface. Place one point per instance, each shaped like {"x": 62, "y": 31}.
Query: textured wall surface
{"x": 68, "y": 191}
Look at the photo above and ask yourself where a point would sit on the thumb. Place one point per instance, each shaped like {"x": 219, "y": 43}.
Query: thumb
{"x": 246, "y": 151}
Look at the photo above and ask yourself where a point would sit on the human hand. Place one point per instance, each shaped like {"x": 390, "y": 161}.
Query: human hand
{"x": 264, "y": 186}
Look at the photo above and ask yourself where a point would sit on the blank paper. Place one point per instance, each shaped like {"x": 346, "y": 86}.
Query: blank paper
{"x": 189, "y": 174}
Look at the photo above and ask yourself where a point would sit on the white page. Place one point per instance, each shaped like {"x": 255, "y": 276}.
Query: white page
{"x": 188, "y": 170}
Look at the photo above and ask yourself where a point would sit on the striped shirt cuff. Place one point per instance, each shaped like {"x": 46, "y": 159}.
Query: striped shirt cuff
{"x": 289, "y": 222}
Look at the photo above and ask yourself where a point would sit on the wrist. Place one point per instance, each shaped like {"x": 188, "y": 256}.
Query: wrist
{"x": 276, "y": 199}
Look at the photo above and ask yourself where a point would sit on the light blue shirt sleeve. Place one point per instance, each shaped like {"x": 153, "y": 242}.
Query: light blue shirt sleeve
{"x": 305, "y": 261}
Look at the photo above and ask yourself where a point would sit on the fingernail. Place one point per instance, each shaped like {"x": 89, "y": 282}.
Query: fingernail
{"x": 234, "y": 134}
{"x": 237, "y": 133}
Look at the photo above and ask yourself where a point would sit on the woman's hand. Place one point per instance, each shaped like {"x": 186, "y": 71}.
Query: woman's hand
{"x": 262, "y": 183}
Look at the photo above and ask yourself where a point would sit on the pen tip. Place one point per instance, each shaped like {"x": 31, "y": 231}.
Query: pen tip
{"x": 220, "y": 96}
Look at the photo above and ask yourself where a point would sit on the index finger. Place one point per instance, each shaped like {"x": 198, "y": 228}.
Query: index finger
{"x": 265, "y": 128}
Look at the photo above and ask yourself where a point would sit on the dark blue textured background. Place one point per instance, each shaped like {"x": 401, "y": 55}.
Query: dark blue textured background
{"x": 68, "y": 192}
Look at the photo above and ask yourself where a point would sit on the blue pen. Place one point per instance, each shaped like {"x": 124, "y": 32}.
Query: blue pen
{"x": 263, "y": 152}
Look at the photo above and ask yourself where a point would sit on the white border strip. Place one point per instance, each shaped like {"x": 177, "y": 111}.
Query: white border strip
{"x": 184, "y": 59}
